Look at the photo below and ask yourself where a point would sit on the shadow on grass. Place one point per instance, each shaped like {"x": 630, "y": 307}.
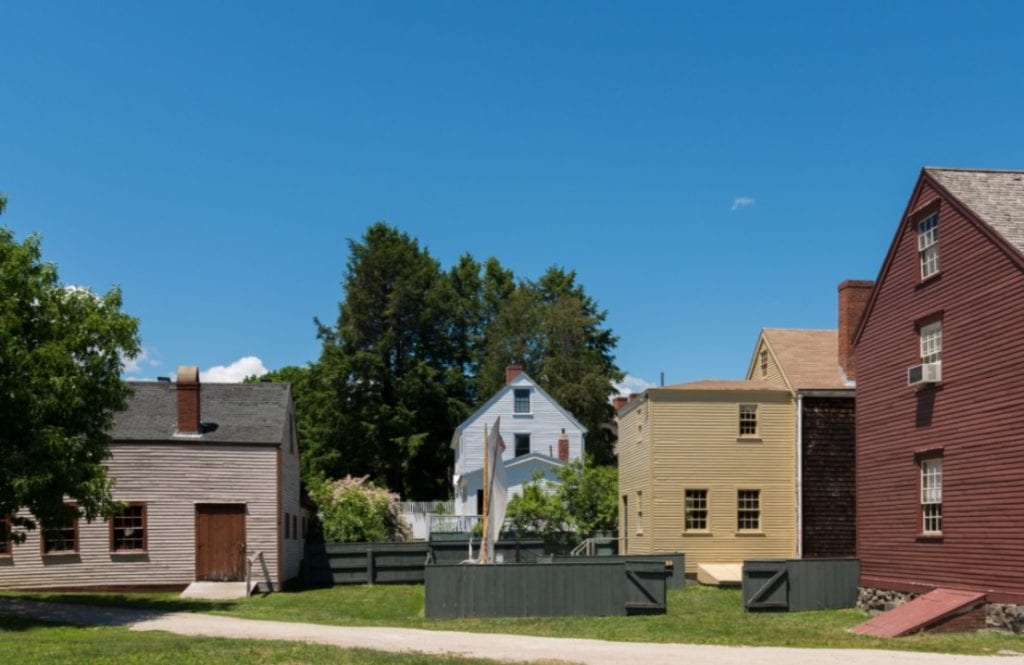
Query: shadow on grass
{"x": 126, "y": 601}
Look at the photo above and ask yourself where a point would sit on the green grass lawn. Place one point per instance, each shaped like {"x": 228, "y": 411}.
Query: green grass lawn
{"x": 28, "y": 643}
{"x": 696, "y": 615}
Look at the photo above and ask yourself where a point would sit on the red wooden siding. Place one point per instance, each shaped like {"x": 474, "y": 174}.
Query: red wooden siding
{"x": 974, "y": 415}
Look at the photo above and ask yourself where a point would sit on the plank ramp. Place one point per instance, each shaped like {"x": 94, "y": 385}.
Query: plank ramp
{"x": 720, "y": 574}
{"x": 920, "y": 613}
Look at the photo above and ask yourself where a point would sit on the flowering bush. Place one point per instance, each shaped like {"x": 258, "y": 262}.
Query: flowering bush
{"x": 354, "y": 510}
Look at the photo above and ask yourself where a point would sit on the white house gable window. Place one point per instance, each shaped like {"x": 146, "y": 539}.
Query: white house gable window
{"x": 522, "y": 400}
{"x": 931, "y": 342}
{"x": 928, "y": 244}
{"x": 931, "y": 495}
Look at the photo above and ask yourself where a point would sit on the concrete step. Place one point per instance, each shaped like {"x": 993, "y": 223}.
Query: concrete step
{"x": 217, "y": 590}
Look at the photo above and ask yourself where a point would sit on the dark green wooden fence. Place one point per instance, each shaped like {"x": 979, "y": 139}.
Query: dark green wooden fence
{"x": 797, "y": 585}
{"x": 601, "y": 586}
{"x": 675, "y": 562}
{"x": 402, "y": 563}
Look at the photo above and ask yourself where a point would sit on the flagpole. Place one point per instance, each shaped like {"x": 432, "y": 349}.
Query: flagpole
{"x": 483, "y": 539}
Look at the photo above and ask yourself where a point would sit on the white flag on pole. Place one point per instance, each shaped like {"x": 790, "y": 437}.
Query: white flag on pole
{"x": 497, "y": 494}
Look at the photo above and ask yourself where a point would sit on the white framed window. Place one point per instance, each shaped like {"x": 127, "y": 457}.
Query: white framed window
{"x": 928, "y": 244}
{"x": 931, "y": 495}
{"x": 748, "y": 420}
{"x": 695, "y": 508}
{"x": 522, "y": 400}
{"x": 931, "y": 342}
{"x": 748, "y": 510}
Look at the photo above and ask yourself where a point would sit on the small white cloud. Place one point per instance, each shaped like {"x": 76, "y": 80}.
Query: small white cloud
{"x": 632, "y": 384}
{"x": 142, "y": 361}
{"x": 742, "y": 202}
{"x": 235, "y": 372}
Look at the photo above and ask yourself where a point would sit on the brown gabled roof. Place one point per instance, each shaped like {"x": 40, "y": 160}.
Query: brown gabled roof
{"x": 809, "y": 359}
{"x": 997, "y": 197}
{"x": 716, "y": 384}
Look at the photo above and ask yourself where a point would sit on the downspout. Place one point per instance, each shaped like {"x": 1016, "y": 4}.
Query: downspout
{"x": 799, "y": 476}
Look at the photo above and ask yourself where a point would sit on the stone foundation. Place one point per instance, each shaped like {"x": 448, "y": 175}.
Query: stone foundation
{"x": 876, "y": 601}
{"x": 1001, "y": 616}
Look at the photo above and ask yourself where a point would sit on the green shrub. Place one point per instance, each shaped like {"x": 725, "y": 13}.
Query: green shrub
{"x": 355, "y": 510}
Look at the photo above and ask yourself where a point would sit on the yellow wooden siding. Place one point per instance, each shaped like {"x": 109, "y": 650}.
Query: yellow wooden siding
{"x": 170, "y": 479}
{"x": 634, "y": 477}
{"x": 774, "y": 373}
{"x": 696, "y": 446}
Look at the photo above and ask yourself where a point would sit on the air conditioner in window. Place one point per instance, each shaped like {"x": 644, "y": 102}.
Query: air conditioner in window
{"x": 924, "y": 373}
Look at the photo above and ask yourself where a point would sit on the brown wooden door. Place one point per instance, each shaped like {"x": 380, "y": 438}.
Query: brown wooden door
{"x": 220, "y": 542}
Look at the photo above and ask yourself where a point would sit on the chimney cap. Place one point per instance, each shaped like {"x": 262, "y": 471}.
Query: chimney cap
{"x": 188, "y": 374}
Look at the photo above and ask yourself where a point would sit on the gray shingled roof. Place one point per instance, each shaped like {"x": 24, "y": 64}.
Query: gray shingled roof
{"x": 243, "y": 412}
{"x": 997, "y": 197}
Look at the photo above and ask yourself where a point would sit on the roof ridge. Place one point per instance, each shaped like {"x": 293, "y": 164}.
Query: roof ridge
{"x": 806, "y": 329}
{"x": 964, "y": 169}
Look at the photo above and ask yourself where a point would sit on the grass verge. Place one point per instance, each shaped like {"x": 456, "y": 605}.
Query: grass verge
{"x": 696, "y": 615}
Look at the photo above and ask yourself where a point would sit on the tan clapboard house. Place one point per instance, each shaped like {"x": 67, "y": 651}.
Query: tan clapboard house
{"x": 209, "y": 475}
{"x": 762, "y": 467}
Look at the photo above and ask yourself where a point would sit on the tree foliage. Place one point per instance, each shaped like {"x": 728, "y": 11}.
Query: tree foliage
{"x": 415, "y": 349}
{"x": 61, "y": 351}
{"x": 355, "y": 510}
{"x": 584, "y": 500}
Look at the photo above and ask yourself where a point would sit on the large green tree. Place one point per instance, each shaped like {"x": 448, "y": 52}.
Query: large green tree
{"x": 388, "y": 369}
{"x": 61, "y": 350}
{"x": 558, "y": 334}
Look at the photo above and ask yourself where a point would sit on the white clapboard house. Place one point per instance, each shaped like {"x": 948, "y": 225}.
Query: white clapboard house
{"x": 539, "y": 435}
{"x": 209, "y": 475}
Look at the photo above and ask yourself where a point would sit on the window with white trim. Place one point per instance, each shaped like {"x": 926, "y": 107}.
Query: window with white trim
{"x": 695, "y": 510}
{"x": 748, "y": 420}
{"x": 931, "y": 495}
{"x": 931, "y": 342}
{"x": 928, "y": 244}
{"x": 748, "y": 510}
{"x": 522, "y": 400}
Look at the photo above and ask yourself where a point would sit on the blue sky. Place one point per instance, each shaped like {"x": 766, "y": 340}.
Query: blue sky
{"x": 708, "y": 169}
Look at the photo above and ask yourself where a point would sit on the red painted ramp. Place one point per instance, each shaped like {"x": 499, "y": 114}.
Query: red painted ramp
{"x": 919, "y": 613}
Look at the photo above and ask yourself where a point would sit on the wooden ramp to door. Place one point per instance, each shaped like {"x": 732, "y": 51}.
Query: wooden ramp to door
{"x": 933, "y": 608}
{"x": 220, "y": 542}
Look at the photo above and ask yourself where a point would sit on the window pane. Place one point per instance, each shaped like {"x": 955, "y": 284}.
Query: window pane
{"x": 522, "y": 444}
{"x": 129, "y": 529}
{"x": 748, "y": 419}
{"x": 522, "y": 400}
{"x": 748, "y": 510}
{"x": 696, "y": 510}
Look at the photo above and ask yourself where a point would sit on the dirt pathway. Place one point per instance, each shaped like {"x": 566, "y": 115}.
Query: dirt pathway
{"x": 520, "y": 648}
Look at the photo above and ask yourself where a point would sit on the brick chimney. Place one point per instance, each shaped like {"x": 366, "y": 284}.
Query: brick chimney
{"x": 853, "y": 300}
{"x": 187, "y": 389}
{"x": 511, "y": 372}
{"x": 619, "y": 401}
{"x": 563, "y": 446}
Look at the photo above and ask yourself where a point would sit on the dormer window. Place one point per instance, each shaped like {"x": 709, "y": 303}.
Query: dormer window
{"x": 928, "y": 244}
{"x": 522, "y": 400}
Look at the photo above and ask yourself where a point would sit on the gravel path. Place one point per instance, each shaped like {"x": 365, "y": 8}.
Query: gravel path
{"x": 520, "y": 648}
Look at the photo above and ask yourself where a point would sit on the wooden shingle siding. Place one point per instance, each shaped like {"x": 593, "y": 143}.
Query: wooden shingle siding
{"x": 170, "y": 479}
{"x": 291, "y": 548}
{"x": 972, "y": 415}
{"x": 634, "y": 474}
{"x": 828, "y": 477}
{"x": 696, "y": 447}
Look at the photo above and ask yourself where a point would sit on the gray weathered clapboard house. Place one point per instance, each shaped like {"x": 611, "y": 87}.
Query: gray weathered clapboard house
{"x": 210, "y": 478}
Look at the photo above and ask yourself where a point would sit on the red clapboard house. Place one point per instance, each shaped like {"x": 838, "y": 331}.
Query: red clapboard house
{"x": 940, "y": 394}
